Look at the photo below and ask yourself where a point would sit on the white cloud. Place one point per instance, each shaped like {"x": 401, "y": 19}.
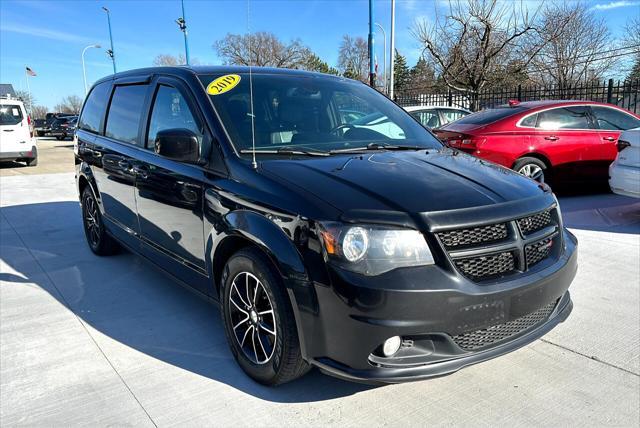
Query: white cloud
{"x": 615, "y": 4}
{"x": 42, "y": 32}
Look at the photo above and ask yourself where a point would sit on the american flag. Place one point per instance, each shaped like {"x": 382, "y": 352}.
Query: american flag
{"x": 30, "y": 72}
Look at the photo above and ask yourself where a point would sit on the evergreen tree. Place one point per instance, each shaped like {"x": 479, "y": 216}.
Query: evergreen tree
{"x": 350, "y": 73}
{"x": 401, "y": 73}
{"x": 423, "y": 75}
{"x": 314, "y": 63}
{"x": 635, "y": 70}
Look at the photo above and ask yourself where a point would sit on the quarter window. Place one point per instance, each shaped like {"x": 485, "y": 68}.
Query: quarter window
{"x": 451, "y": 115}
{"x": 125, "y": 112}
{"x": 612, "y": 119}
{"x": 529, "y": 121}
{"x": 94, "y": 108}
{"x": 564, "y": 118}
{"x": 170, "y": 111}
{"x": 428, "y": 118}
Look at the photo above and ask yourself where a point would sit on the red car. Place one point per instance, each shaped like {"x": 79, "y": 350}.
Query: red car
{"x": 541, "y": 139}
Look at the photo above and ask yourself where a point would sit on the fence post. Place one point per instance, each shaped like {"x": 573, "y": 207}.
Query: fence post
{"x": 519, "y": 92}
{"x": 610, "y": 91}
{"x": 449, "y": 97}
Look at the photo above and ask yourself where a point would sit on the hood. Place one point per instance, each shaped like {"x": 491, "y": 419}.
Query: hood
{"x": 407, "y": 181}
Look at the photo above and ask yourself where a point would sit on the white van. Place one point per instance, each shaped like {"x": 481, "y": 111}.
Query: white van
{"x": 16, "y": 136}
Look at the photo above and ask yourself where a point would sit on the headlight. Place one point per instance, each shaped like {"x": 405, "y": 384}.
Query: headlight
{"x": 372, "y": 250}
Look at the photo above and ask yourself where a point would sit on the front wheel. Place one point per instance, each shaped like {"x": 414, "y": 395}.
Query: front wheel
{"x": 533, "y": 168}
{"x": 259, "y": 321}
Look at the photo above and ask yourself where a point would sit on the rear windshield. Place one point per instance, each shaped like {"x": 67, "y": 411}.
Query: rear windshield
{"x": 485, "y": 117}
{"x": 10, "y": 114}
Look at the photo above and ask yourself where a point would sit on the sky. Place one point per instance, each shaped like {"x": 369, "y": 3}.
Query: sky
{"x": 49, "y": 36}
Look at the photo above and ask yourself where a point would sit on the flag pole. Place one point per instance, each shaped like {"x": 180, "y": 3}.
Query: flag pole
{"x": 28, "y": 87}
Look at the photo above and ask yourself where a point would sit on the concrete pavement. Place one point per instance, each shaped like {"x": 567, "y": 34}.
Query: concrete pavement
{"x": 112, "y": 341}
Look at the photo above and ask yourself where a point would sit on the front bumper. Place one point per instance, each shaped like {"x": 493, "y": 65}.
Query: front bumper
{"x": 352, "y": 319}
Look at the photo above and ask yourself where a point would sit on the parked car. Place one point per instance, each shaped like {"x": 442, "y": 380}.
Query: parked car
{"x": 16, "y": 137}
{"x": 49, "y": 119}
{"x": 568, "y": 140}
{"x": 39, "y": 126}
{"x": 333, "y": 247}
{"x": 63, "y": 127}
{"x": 624, "y": 172}
{"x": 436, "y": 116}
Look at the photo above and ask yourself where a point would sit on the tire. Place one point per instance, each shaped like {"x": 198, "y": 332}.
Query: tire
{"x": 533, "y": 168}
{"x": 277, "y": 357}
{"x": 59, "y": 137}
{"x": 40, "y": 134}
{"x": 97, "y": 237}
{"x": 32, "y": 162}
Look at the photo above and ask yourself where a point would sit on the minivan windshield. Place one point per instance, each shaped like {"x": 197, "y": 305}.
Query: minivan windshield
{"x": 313, "y": 113}
{"x": 10, "y": 114}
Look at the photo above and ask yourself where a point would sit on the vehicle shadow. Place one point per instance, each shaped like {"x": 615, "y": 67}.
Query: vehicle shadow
{"x": 596, "y": 208}
{"x": 132, "y": 302}
{"x": 12, "y": 164}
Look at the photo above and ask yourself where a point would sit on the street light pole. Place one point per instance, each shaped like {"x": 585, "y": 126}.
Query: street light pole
{"x": 372, "y": 66}
{"x": 182, "y": 23}
{"x": 111, "y": 52}
{"x": 384, "y": 62}
{"x": 392, "y": 42}
{"x": 84, "y": 70}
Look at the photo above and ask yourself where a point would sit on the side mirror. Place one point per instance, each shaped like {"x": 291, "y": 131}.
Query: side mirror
{"x": 178, "y": 144}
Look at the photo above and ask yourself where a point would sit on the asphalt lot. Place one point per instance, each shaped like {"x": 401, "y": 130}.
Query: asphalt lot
{"x": 53, "y": 156}
{"x": 112, "y": 341}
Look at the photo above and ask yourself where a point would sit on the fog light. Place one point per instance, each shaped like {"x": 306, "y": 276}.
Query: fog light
{"x": 391, "y": 346}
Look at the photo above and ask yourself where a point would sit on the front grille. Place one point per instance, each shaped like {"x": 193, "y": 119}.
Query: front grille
{"x": 538, "y": 251}
{"x": 485, "y": 267}
{"x": 535, "y": 222}
{"x": 476, "y": 235}
{"x": 479, "y": 339}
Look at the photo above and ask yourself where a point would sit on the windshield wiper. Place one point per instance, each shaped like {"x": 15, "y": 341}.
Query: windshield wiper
{"x": 377, "y": 146}
{"x": 287, "y": 151}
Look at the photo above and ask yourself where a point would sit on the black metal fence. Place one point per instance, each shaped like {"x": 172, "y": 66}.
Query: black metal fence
{"x": 624, "y": 94}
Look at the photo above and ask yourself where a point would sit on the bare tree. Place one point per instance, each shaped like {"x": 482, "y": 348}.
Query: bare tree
{"x": 261, "y": 49}
{"x": 172, "y": 60}
{"x": 353, "y": 58}
{"x": 27, "y": 98}
{"x": 70, "y": 104}
{"x": 576, "y": 54}
{"x": 476, "y": 40}
{"x": 632, "y": 40}
{"x": 39, "y": 112}
{"x": 166, "y": 59}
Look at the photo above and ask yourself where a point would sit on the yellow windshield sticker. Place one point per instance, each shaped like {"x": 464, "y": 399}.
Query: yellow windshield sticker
{"x": 223, "y": 84}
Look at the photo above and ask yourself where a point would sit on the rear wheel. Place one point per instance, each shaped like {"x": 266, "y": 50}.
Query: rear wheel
{"x": 259, "y": 321}
{"x": 533, "y": 168}
{"x": 99, "y": 241}
{"x": 59, "y": 137}
{"x": 32, "y": 162}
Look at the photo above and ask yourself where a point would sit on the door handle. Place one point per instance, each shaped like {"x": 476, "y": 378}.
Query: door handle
{"x": 126, "y": 165}
{"x": 141, "y": 171}
{"x": 551, "y": 138}
{"x": 609, "y": 138}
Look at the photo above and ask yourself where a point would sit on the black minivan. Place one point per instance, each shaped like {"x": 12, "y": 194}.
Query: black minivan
{"x": 363, "y": 247}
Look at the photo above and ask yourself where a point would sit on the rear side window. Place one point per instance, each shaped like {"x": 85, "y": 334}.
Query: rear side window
{"x": 125, "y": 111}
{"x": 485, "y": 117}
{"x": 564, "y": 118}
{"x": 94, "y": 108}
{"x": 612, "y": 119}
{"x": 10, "y": 114}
